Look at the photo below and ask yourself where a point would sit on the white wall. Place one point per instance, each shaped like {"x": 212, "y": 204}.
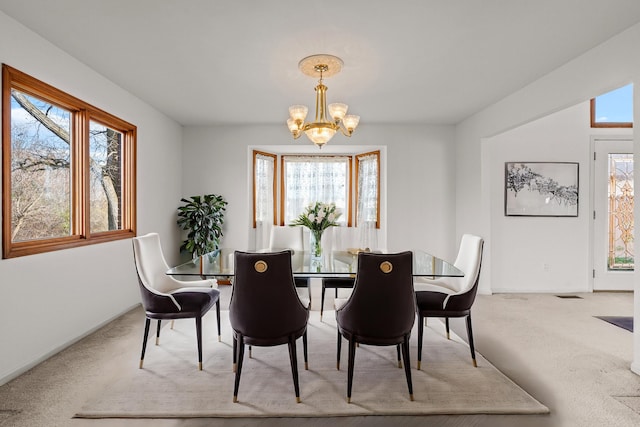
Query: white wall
{"x": 420, "y": 177}
{"x": 608, "y": 66}
{"x": 50, "y": 300}
{"x": 538, "y": 254}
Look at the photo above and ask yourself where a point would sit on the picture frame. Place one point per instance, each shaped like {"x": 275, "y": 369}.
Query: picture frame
{"x": 548, "y": 189}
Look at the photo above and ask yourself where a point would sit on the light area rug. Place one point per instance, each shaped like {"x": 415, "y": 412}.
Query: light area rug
{"x": 632, "y": 402}
{"x": 171, "y": 386}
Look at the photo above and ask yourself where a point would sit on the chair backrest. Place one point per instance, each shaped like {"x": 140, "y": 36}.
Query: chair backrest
{"x": 264, "y": 302}
{"x": 341, "y": 238}
{"x": 287, "y": 237}
{"x": 468, "y": 260}
{"x": 151, "y": 264}
{"x": 382, "y": 303}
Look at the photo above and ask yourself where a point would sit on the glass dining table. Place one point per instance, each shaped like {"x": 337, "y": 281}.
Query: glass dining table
{"x": 219, "y": 264}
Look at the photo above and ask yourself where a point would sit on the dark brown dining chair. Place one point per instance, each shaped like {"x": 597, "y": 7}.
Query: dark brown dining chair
{"x": 166, "y": 298}
{"x": 381, "y": 309}
{"x": 265, "y": 309}
{"x": 457, "y": 294}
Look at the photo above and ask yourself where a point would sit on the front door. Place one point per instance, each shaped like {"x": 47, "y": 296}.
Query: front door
{"x": 613, "y": 258}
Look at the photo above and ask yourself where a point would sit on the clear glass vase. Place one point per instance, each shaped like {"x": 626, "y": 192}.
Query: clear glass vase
{"x": 316, "y": 243}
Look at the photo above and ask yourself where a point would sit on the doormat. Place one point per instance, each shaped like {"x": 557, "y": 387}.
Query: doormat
{"x": 624, "y": 322}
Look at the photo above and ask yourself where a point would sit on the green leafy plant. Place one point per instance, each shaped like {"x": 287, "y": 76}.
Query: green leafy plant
{"x": 317, "y": 217}
{"x": 202, "y": 218}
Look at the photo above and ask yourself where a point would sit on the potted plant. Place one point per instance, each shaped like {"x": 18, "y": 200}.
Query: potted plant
{"x": 202, "y": 218}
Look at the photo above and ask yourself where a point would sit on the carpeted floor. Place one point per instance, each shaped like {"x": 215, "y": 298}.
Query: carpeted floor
{"x": 554, "y": 348}
{"x": 170, "y": 386}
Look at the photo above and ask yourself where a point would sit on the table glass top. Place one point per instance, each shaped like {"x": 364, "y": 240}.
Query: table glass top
{"x": 219, "y": 263}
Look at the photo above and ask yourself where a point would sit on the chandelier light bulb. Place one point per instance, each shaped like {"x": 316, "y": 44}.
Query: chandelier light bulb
{"x": 320, "y": 136}
{"x": 351, "y": 122}
{"x": 298, "y": 112}
{"x": 338, "y": 110}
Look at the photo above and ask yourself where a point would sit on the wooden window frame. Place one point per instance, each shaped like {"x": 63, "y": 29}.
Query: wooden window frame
{"x": 82, "y": 113}
{"x": 595, "y": 124}
{"x": 275, "y": 185}
{"x": 358, "y": 156}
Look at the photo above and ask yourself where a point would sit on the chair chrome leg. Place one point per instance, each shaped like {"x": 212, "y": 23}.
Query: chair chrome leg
{"x": 293, "y": 358}
{"x": 305, "y": 352}
{"x": 322, "y": 301}
{"x": 407, "y": 365}
{"x": 446, "y": 323}
{"x": 145, "y": 337}
{"x": 240, "y": 355}
{"x": 235, "y": 353}
{"x": 421, "y": 323}
{"x": 471, "y": 345}
{"x": 199, "y": 338}
{"x": 339, "y": 347}
{"x": 352, "y": 357}
{"x": 218, "y": 320}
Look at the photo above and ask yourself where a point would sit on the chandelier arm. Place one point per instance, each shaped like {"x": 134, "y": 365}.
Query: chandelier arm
{"x": 343, "y": 129}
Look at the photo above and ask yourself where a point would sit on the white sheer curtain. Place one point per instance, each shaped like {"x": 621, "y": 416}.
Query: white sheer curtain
{"x": 309, "y": 179}
{"x": 367, "y": 210}
{"x": 264, "y": 176}
{"x": 367, "y": 204}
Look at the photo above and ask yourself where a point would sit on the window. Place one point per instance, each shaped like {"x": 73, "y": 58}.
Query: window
{"x": 308, "y": 179}
{"x": 613, "y": 109}
{"x": 68, "y": 170}
{"x": 305, "y": 179}
{"x": 368, "y": 189}
{"x": 264, "y": 188}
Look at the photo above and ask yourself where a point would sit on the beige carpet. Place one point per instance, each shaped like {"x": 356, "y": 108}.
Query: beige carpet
{"x": 170, "y": 386}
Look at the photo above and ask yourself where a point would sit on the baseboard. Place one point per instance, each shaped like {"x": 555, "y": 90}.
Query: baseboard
{"x": 539, "y": 291}
{"x": 16, "y": 373}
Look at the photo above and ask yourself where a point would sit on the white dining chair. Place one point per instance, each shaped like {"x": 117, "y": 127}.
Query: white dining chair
{"x": 286, "y": 237}
{"x": 456, "y": 295}
{"x": 466, "y": 261}
{"x": 291, "y": 237}
{"x": 167, "y": 298}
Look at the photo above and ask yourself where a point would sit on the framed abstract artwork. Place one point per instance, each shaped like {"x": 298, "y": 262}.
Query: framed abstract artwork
{"x": 541, "y": 189}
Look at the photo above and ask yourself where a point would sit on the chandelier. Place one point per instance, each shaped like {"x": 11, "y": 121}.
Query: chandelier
{"x": 322, "y": 129}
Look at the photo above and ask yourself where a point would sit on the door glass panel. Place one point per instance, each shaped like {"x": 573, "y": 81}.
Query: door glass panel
{"x": 620, "y": 255}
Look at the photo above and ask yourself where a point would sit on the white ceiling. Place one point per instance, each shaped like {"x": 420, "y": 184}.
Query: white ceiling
{"x": 405, "y": 61}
